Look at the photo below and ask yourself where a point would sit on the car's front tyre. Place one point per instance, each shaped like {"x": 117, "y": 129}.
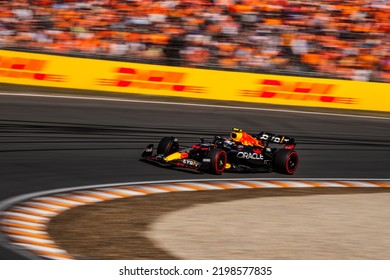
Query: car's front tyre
{"x": 218, "y": 159}
{"x": 167, "y": 146}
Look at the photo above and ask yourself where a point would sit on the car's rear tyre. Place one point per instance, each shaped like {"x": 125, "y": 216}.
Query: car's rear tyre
{"x": 218, "y": 159}
{"x": 286, "y": 161}
{"x": 167, "y": 146}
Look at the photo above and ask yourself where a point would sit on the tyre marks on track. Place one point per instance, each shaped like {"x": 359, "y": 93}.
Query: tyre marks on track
{"x": 24, "y": 224}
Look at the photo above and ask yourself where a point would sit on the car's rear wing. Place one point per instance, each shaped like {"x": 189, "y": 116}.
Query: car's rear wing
{"x": 268, "y": 137}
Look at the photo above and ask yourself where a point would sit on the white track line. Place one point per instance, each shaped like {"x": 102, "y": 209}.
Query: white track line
{"x": 45, "y": 205}
{"x": 25, "y": 230}
{"x": 360, "y": 184}
{"x": 101, "y": 193}
{"x": 111, "y": 99}
{"x": 35, "y": 210}
{"x": 22, "y": 223}
{"x": 31, "y": 217}
{"x": 128, "y": 192}
{"x": 32, "y": 239}
{"x": 60, "y": 200}
{"x": 153, "y": 189}
{"x": 297, "y": 184}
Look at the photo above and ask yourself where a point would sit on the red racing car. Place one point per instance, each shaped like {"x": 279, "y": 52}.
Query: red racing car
{"x": 240, "y": 152}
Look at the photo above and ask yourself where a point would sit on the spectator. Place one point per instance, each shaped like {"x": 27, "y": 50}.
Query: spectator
{"x": 343, "y": 39}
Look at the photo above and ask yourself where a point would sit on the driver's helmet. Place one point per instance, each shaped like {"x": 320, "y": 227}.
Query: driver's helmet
{"x": 228, "y": 143}
{"x": 223, "y": 142}
{"x": 218, "y": 140}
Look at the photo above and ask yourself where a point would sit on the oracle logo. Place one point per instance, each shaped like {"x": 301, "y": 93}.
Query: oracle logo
{"x": 246, "y": 155}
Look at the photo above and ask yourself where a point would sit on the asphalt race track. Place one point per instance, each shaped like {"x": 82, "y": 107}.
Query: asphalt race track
{"x": 50, "y": 143}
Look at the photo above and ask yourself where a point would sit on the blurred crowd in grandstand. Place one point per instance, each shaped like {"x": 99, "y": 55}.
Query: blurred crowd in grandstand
{"x": 347, "y": 39}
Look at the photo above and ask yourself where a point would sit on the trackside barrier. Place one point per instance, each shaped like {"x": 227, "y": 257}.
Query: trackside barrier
{"x": 80, "y": 73}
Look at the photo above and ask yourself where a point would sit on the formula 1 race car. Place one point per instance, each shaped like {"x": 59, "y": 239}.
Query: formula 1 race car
{"x": 240, "y": 152}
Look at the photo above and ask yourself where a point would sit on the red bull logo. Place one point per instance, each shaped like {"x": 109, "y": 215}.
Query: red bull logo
{"x": 244, "y": 138}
